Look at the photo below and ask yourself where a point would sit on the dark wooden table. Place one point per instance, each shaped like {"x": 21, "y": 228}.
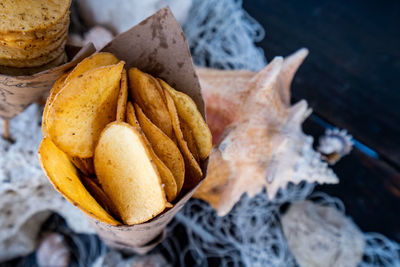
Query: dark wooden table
{"x": 350, "y": 81}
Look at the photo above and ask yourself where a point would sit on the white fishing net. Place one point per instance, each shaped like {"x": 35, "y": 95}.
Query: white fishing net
{"x": 222, "y": 35}
{"x": 251, "y": 234}
{"x": 26, "y": 196}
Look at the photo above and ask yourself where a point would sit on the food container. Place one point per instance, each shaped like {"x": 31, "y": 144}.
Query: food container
{"x": 157, "y": 46}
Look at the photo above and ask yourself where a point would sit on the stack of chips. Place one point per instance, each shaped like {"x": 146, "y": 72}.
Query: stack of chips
{"x": 33, "y": 34}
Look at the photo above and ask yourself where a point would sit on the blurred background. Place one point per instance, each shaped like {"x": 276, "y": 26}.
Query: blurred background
{"x": 349, "y": 79}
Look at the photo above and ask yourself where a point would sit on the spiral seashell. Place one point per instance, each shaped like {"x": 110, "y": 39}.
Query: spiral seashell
{"x": 334, "y": 145}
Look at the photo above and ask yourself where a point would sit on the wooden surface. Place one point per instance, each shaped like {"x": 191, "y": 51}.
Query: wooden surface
{"x": 350, "y": 76}
{"x": 350, "y": 81}
{"x": 369, "y": 188}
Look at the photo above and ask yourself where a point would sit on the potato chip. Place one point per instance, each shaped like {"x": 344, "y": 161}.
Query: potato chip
{"x": 57, "y": 86}
{"x": 34, "y": 62}
{"x": 30, "y": 52}
{"x": 148, "y": 94}
{"x": 188, "y": 137}
{"x": 82, "y": 109}
{"x": 33, "y": 35}
{"x": 131, "y": 116}
{"x": 64, "y": 177}
{"x": 84, "y": 165}
{"x": 39, "y": 38}
{"x": 94, "y": 61}
{"x": 97, "y": 193}
{"x": 192, "y": 167}
{"x": 127, "y": 174}
{"x": 166, "y": 174}
{"x": 26, "y": 71}
{"x": 167, "y": 178}
{"x": 122, "y": 97}
{"x": 28, "y": 16}
{"x": 163, "y": 147}
{"x": 189, "y": 113}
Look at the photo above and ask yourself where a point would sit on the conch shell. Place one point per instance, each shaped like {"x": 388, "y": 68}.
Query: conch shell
{"x": 257, "y": 134}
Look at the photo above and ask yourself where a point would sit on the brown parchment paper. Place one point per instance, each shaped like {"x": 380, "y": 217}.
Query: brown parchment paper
{"x": 158, "y": 46}
{"x": 18, "y": 92}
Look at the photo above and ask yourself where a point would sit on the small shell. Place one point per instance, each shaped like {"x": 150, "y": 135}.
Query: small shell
{"x": 334, "y": 144}
{"x": 322, "y": 235}
{"x": 53, "y": 251}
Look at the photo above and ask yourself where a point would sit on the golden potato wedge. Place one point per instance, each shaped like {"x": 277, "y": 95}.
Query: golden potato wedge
{"x": 82, "y": 109}
{"x": 193, "y": 172}
{"x": 84, "y": 165}
{"x": 189, "y": 113}
{"x": 167, "y": 177}
{"x": 163, "y": 147}
{"x": 127, "y": 174}
{"x": 97, "y": 193}
{"x": 94, "y": 61}
{"x": 53, "y": 92}
{"x": 148, "y": 94}
{"x": 122, "y": 97}
{"x": 64, "y": 177}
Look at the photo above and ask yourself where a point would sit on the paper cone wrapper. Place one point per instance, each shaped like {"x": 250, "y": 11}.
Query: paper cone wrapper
{"x": 18, "y": 92}
{"x": 157, "y": 46}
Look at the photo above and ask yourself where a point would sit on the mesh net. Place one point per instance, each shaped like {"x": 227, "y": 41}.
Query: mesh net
{"x": 221, "y": 35}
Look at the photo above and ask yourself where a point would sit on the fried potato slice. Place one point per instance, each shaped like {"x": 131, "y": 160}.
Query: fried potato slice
{"x": 94, "y": 61}
{"x": 34, "y": 62}
{"x": 192, "y": 167}
{"x": 188, "y": 137}
{"x": 131, "y": 116}
{"x": 189, "y": 113}
{"x": 148, "y": 94}
{"x": 82, "y": 109}
{"x": 38, "y": 38}
{"x": 64, "y": 177}
{"x": 97, "y": 193}
{"x": 30, "y": 52}
{"x": 167, "y": 177}
{"x": 26, "y": 71}
{"x": 164, "y": 147}
{"x": 24, "y": 16}
{"x": 122, "y": 97}
{"x": 129, "y": 177}
{"x": 166, "y": 152}
{"x": 84, "y": 165}
{"x": 53, "y": 92}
